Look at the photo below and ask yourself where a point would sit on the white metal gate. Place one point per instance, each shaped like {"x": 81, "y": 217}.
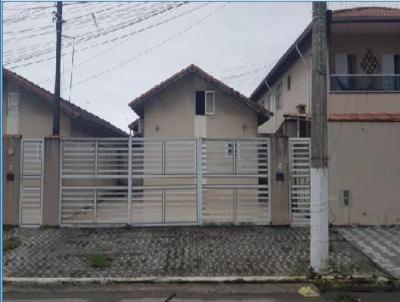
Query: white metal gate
{"x": 140, "y": 181}
{"x": 299, "y": 167}
{"x": 235, "y": 181}
{"x": 31, "y": 182}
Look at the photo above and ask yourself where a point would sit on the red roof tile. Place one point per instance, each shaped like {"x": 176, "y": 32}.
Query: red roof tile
{"x": 365, "y": 117}
{"x": 367, "y": 11}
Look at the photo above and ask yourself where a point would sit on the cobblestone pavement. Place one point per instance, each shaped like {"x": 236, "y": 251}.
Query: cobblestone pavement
{"x": 381, "y": 244}
{"x": 179, "y": 251}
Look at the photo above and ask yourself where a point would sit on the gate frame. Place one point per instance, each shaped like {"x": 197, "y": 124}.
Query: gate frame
{"x": 290, "y": 177}
{"x": 22, "y": 153}
{"x": 199, "y": 174}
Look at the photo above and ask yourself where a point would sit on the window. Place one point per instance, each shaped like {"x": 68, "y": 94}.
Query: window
{"x": 351, "y": 64}
{"x": 288, "y": 82}
{"x": 210, "y": 102}
{"x": 397, "y": 64}
{"x": 13, "y": 104}
{"x": 278, "y": 96}
{"x": 205, "y": 102}
{"x": 200, "y": 103}
{"x": 271, "y": 103}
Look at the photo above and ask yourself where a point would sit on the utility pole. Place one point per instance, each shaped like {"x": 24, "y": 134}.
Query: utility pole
{"x": 56, "y": 105}
{"x": 319, "y": 242}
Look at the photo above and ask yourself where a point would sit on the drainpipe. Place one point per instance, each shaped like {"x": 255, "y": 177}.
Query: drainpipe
{"x": 270, "y": 90}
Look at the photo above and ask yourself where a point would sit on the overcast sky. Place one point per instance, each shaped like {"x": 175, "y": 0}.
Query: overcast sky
{"x": 235, "y": 42}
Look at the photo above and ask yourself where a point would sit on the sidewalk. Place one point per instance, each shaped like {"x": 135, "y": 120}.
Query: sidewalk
{"x": 380, "y": 244}
{"x": 175, "y": 252}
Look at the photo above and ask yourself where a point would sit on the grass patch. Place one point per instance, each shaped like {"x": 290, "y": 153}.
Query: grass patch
{"x": 99, "y": 261}
{"x": 11, "y": 244}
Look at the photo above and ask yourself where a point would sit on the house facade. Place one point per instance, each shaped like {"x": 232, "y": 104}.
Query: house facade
{"x": 28, "y": 112}
{"x": 204, "y": 107}
{"x": 32, "y": 155}
{"x": 363, "y": 110}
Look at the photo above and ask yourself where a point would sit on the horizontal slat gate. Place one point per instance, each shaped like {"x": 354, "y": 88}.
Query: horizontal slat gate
{"x": 140, "y": 181}
{"x": 300, "y": 191}
{"x": 235, "y": 181}
{"x": 31, "y": 182}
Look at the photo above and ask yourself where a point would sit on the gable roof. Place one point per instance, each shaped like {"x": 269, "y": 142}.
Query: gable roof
{"x": 303, "y": 42}
{"x": 137, "y": 103}
{"x": 68, "y": 108}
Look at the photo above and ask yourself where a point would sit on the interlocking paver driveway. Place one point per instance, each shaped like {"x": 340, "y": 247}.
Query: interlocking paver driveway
{"x": 381, "y": 244}
{"x": 174, "y": 251}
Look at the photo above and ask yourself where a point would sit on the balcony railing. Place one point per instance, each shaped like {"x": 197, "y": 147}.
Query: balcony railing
{"x": 365, "y": 82}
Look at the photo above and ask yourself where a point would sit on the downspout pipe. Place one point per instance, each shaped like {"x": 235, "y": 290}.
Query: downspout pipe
{"x": 308, "y": 76}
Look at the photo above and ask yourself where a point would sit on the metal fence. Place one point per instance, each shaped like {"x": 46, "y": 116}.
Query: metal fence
{"x": 140, "y": 181}
{"x": 31, "y": 182}
{"x": 299, "y": 187}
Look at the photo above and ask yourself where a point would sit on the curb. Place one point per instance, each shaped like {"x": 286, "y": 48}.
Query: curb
{"x": 221, "y": 279}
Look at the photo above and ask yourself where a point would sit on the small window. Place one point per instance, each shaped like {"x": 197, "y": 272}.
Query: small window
{"x": 396, "y": 64}
{"x": 200, "y": 103}
{"x": 271, "y": 103}
{"x": 13, "y": 104}
{"x": 351, "y": 64}
{"x": 210, "y": 102}
{"x": 289, "y": 82}
{"x": 278, "y": 96}
{"x": 205, "y": 102}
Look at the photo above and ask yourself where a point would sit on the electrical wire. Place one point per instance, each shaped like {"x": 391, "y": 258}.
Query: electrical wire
{"x": 158, "y": 45}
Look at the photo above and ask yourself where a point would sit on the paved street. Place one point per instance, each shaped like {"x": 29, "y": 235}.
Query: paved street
{"x": 287, "y": 294}
{"x": 175, "y": 251}
{"x": 380, "y": 244}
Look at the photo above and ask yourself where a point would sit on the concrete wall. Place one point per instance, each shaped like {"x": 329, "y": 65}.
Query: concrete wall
{"x": 171, "y": 113}
{"x": 51, "y": 186}
{"x": 279, "y": 189}
{"x": 365, "y": 159}
{"x": 11, "y": 187}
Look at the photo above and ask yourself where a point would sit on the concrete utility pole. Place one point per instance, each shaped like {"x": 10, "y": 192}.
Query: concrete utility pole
{"x": 319, "y": 243}
{"x": 56, "y": 105}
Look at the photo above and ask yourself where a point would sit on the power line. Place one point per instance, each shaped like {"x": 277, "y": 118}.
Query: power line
{"x": 158, "y": 45}
{"x": 125, "y": 38}
{"x": 31, "y": 55}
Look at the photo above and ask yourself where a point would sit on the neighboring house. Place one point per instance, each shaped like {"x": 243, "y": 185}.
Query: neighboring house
{"x": 28, "y": 111}
{"x": 363, "y": 110}
{"x": 192, "y": 103}
{"x": 32, "y": 159}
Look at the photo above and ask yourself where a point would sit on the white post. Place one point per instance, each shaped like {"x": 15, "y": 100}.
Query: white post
{"x": 199, "y": 180}
{"x": 319, "y": 245}
{"x": 130, "y": 180}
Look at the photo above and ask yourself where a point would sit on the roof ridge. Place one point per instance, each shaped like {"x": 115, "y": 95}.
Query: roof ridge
{"x": 205, "y": 75}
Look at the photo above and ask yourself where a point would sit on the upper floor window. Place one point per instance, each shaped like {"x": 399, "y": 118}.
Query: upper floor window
{"x": 288, "y": 82}
{"x": 278, "y": 96}
{"x": 205, "y": 102}
{"x": 13, "y": 104}
{"x": 271, "y": 102}
{"x": 375, "y": 73}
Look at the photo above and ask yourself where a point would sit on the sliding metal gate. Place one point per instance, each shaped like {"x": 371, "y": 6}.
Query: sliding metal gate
{"x": 31, "y": 182}
{"x": 156, "y": 182}
{"x": 300, "y": 191}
